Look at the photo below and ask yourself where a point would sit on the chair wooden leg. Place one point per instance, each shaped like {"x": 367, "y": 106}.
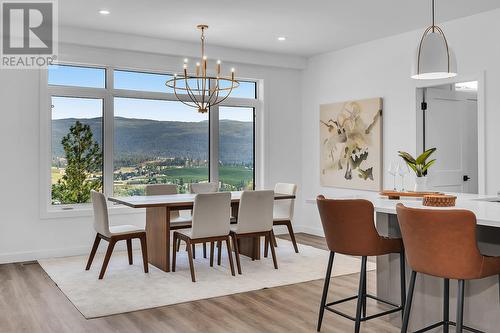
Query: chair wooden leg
{"x": 212, "y": 245}
{"x": 219, "y": 253}
{"x": 177, "y": 244}
{"x": 230, "y": 255}
{"x": 236, "y": 252}
{"x": 275, "y": 243}
{"x": 191, "y": 265}
{"x": 205, "y": 250}
{"x": 109, "y": 251}
{"x": 292, "y": 236}
{"x": 129, "y": 251}
{"x": 266, "y": 246}
{"x": 193, "y": 246}
{"x": 93, "y": 251}
{"x": 273, "y": 252}
{"x": 144, "y": 250}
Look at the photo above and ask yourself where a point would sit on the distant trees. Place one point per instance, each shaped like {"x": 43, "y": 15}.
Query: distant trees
{"x": 84, "y": 160}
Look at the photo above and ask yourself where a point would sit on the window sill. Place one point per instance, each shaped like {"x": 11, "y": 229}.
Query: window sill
{"x": 85, "y": 211}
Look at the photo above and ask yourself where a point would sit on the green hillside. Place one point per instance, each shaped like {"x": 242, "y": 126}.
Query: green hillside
{"x": 143, "y": 139}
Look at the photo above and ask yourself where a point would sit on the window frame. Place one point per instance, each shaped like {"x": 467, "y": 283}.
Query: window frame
{"x": 107, "y": 94}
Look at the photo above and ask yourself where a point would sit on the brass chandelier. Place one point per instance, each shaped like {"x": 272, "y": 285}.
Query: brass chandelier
{"x": 202, "y": 90}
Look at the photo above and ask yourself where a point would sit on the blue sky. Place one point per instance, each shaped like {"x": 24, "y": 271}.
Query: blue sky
{"x": 133, "y": 108}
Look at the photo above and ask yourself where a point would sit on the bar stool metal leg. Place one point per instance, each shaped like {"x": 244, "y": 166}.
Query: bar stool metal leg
{"x": 460, "y": 306}
{"x": 402, "y": 272}
{"x": 446, "y": 306}
{"x": 406, "y": 316}
{"x": 364, "y": 293}
{"x": 360, "y": 295}
{"x": 325, "y": 289}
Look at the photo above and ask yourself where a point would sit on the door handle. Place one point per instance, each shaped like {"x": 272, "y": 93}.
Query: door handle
{"x": 465, "y": 178}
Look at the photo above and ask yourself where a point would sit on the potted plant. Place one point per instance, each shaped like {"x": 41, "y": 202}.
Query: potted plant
{"x": 420, "y": 166}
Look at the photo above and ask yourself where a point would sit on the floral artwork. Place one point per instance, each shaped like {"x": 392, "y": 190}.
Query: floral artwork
{"x": 351, "y": 144}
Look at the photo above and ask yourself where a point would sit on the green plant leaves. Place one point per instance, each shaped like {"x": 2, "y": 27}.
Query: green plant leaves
{"x": 407, "y": 157}
{"x": 423, "y": 157}
{"x": 418, "y": 165}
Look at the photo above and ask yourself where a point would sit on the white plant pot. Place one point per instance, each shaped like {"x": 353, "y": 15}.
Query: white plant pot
{"x": 420, "y": 184}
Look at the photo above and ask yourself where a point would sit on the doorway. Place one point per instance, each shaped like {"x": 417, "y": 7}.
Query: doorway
{"x": 448, "y": 120}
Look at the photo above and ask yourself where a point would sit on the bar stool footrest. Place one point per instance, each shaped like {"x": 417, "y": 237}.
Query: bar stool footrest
{"x": 397, "y": 308}
{"x": 451, "y": 323}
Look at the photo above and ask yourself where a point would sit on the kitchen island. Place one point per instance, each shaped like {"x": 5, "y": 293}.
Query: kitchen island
{"x": 482, "y": 305}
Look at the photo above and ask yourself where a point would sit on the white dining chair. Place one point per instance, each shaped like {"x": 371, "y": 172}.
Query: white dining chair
{"x": 209, "y": 187}
{"x": 113, "y": 234}
{"x": 283, "y": 212}
{"x": 210, "y": 224}
{"x": 255, "y": 219}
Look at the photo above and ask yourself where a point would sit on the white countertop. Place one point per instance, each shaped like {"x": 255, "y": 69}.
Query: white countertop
{"x": 487, "y": 213}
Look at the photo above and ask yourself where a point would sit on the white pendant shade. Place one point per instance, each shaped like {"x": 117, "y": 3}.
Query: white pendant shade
{"x": 434, "y": 60}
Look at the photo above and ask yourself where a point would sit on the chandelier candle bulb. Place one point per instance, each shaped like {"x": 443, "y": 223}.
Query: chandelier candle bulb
{"x": 197, "y": 69}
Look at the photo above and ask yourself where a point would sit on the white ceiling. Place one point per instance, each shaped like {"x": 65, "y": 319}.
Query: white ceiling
{"x": 311, "y": 26}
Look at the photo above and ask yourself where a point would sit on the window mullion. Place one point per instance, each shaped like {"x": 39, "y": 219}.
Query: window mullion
{"x": 214, "y": 144}
{"x": 108, "y": 134}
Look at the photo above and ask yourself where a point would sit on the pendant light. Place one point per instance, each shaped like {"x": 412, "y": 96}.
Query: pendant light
{"x": 435, "y": 59}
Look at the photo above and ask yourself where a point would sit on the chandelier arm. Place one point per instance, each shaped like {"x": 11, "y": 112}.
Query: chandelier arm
{"x": 216, "y": 92}
{"x": 190, "y": 93}
{"x": 225, "y": 97}
{"x": 183, "y": 102}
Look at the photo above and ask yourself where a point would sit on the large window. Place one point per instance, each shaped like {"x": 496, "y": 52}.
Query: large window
{"x": 118, "y": 135}
{"x": 236, "y": 148}
{"x": 76, "y": 149}
{"x": 158, "y": 141}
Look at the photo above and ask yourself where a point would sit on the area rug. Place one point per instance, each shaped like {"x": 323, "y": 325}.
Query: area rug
{"x": 126, "y": 288}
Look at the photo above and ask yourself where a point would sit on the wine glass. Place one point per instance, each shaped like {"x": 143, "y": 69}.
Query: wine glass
{"x": 393, "y": 171}
{"x": 403, "y": 171}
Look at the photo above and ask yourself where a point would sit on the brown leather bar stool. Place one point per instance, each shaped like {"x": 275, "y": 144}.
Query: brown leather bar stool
{"x": 350, "y": 229}
{"x": 443, "y": 243}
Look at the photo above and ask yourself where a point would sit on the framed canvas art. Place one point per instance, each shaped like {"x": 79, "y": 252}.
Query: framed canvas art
{"x": 351, "y": 144}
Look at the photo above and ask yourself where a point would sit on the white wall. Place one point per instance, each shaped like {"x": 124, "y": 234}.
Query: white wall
{"x": 25, "y": 236}
{"x": 382, "y": 68}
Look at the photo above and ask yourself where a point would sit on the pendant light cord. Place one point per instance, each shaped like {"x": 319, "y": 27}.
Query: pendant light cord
{"x": 433, "y": 20}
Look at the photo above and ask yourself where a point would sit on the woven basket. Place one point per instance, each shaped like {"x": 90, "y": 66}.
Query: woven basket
{"x": 437, "y": 200}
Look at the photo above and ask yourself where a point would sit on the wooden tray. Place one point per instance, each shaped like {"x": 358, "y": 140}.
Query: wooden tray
{"x": 396, "y": 195}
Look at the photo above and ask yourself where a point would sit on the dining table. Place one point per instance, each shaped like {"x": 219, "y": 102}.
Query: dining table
{"x": 158, "y": 209}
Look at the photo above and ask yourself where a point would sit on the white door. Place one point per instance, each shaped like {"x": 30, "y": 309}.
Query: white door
{"x": 451, "y": 127}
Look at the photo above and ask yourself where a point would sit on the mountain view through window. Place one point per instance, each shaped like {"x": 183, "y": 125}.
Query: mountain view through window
{"x": 154, "y": 140}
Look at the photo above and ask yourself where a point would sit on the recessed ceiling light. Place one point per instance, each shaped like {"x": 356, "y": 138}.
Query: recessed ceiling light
{"x": 104, "y": 12}
{"x": 282, "y": 38}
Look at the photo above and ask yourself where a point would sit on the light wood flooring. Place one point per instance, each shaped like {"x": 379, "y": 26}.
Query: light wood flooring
{"x": 31, "y": 302}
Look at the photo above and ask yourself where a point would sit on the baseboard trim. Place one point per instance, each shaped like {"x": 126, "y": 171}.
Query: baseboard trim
{"x": 309, "y": 230}
{"x": 15, "y": 257}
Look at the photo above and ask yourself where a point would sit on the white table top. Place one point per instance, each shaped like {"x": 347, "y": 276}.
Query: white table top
{"x": 487, "y": 213}
{"x": 175, "y": 200}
